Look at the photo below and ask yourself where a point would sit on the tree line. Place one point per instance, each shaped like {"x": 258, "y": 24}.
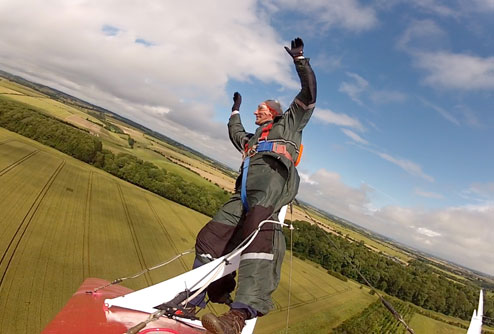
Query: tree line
{"x": 31, "y": 123}
{"x": 49, "y": 131}
{"x": 417, "y": 283}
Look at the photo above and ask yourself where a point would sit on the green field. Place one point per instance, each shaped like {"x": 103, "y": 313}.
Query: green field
{"x": 422, "y": 324}
{"x": 63, "y": 221}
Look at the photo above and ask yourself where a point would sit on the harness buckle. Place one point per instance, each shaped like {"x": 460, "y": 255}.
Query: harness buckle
{"x": 249, "y": 152}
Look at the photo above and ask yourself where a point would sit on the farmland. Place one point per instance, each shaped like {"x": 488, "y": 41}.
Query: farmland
{"x": 63, "y": 221}
{"x": 422, "y": 324}
{"x": 146, "y": 148}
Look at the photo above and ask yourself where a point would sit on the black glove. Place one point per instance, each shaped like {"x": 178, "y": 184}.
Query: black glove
{"x": 237, "y": 100}
{"x": 297, "y": 49}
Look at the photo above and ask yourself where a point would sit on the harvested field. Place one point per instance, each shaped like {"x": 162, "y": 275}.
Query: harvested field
{"x": 220, "y": 179}
{"x": 78, "y": 121}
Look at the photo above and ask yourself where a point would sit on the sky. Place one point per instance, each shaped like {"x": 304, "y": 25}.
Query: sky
{"x": 400, "y": 142}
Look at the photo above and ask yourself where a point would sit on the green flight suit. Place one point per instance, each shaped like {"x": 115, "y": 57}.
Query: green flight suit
{"x": 272, "y": 182}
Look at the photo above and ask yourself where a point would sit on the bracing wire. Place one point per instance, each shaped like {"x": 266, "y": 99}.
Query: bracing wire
{"x": 291, "y": 269}
{"x": 217, "y": 269}
{"x": 386, "y": 304}
{"x": 239, "y": 249}
{"x": 121, "y": 279}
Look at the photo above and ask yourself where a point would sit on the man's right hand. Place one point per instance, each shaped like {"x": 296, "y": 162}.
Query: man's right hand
{"x": 237, "y": 100}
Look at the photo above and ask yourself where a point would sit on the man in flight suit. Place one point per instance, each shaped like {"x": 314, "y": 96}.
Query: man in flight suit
{"x": 269, "y": 180}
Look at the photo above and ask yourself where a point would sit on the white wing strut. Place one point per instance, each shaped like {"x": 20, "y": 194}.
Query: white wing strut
{"x": 476, "y": 322}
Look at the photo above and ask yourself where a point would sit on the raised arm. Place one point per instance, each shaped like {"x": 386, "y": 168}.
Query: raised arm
{"x": 236, "y": 130}
{"x": 307, "y": 95}
{"x": 301, "y": 109}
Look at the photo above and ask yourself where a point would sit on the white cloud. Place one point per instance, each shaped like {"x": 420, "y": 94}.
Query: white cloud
{"x": 427, "y": 232}
{"x": 354, "y": 88}
{"x": 358, "y": 88}
{"x": 143, "y": 60}
{"x": 305, "y": 178}
{"x": 469, "y": 116}
{"x": 480, "y": 5}
{"x": 407, "y": 165}
{"x": 447, "y": 115}
{"x": 387, "y": 96}
{"x": 327, "y": 191}
{"x": 355, "y": 136}
{"x": 460, "y": 234}
{"x": 436, "y": 7}
{"x": 349, "y": 14}
{"x": 483, "y": 191}
{"x": 428, "y": 45}
{"x": 428, "y": 194}
{"x": 326, "y": 63}
{"x": 422, "y": 35}
{"x": 330, "y": 117}
{"x": 165, "y": 64}
{"x": 457, "y": 71}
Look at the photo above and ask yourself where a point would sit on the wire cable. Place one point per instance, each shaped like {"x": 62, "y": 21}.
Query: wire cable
{"x": 291, "y": 269}
{"x": 386, "y": 304}
{"x": 119, "y": 280}
{"x": 239, "y": 249}
{"x": 217, "y": 269}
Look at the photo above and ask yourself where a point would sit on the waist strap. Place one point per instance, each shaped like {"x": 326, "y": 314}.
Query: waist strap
{"x": 268, "y": 146}
{"x": 263, "y": 146}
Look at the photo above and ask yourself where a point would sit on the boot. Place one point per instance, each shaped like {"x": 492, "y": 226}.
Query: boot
{"x": 231, "y": 322}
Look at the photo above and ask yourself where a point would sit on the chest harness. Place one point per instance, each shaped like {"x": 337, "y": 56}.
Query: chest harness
{"x": 264, "y": 145}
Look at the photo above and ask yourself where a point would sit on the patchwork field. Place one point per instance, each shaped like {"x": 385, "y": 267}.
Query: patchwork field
{"x": 62, "y": 221}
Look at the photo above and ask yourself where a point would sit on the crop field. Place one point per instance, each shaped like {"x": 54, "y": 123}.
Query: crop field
{"x": 9, "y": 87}
{"x": 63, "y": 221}
{"x": 423, "y": 324}
{"x": 51, "y": 107}
{"x": 319, "y": 302}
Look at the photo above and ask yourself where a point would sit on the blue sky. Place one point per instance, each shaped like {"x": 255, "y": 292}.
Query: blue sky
{"x": 401, "y": 138}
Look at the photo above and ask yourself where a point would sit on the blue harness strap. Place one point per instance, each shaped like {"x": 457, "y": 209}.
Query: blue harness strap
{"x": 265, "y": 146}
{"x": 243, "y": 188}
{"x": 261, "y": 147}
